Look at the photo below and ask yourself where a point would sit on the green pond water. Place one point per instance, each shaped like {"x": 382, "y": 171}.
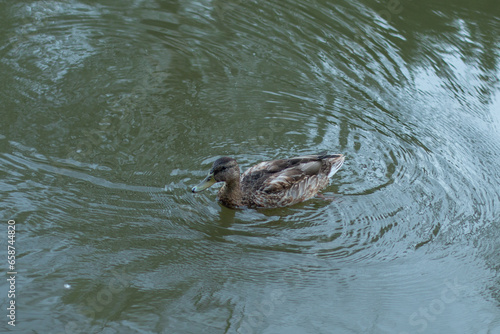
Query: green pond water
{"x": 111, "y": 111}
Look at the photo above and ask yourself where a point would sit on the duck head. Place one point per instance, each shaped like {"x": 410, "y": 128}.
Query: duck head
{"x": 224, "y": 169}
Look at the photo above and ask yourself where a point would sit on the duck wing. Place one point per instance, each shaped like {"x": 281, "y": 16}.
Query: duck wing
{"x": 281, "y": 175}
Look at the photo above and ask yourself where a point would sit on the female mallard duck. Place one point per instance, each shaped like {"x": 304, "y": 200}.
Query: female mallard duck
{"x": 274, "y": 183}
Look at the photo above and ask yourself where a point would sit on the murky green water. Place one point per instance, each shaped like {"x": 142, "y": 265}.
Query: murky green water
{"x": 111, "y": 111}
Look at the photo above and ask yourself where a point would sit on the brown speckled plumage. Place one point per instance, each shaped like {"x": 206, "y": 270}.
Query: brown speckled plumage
{"x": 274, "y": 183}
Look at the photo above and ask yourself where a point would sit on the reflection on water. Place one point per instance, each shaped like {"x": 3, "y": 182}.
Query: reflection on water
{"x": 112, "y": 112}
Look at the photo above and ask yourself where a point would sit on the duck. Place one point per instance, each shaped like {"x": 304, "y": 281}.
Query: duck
{"x": 271, "y": 184}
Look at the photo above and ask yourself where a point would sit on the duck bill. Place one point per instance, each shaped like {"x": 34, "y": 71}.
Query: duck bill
{"x": 208, "y": 182}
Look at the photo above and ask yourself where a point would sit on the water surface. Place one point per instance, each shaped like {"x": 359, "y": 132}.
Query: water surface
{"x": 111, "y": 112}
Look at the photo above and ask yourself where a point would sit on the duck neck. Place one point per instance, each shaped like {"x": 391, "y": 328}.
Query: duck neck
{"x": 230, "y": 194}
